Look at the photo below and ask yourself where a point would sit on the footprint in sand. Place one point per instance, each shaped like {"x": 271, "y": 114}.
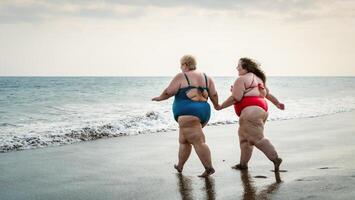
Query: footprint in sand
{"x": 328, "y": 168}
{"x": 301, "y": 179}
{"x": 259, "y": 176}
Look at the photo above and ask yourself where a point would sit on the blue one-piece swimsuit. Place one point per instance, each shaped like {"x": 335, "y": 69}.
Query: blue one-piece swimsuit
{"x": 183, "y": 105}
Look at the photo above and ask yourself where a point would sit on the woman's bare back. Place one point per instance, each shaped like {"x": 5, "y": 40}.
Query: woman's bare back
{"x": 197, "y": 79}
{"x": 251, "y": 83}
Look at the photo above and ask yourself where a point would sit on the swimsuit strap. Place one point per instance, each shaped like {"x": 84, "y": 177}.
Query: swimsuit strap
{"x": 187, "y": 79}
{"x": 251, "y": 85}
{"x": 252, "y": 82}
{"x": 206, "y": 80}
{"x": 260, "y": 85}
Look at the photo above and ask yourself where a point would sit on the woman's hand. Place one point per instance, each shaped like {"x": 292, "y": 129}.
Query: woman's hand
{"x": 280, "y": 106}
{"x": 218, "y": 107}
{"x": 156, "y": 99}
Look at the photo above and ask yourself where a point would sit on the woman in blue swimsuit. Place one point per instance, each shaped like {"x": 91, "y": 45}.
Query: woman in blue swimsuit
{"x": 192, "y": 111}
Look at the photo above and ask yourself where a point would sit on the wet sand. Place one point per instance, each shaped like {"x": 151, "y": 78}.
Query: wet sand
{"x": 318, "y": 163}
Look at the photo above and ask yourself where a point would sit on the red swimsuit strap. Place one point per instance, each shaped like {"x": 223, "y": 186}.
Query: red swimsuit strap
{"x": 251, "y": 84}
{"x": 260, "y": 85}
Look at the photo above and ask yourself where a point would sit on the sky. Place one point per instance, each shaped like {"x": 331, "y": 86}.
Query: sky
{"x": 148, "y": 38}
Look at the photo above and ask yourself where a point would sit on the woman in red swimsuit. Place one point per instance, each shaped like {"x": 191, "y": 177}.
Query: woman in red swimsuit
{"x": 248, "y": 97}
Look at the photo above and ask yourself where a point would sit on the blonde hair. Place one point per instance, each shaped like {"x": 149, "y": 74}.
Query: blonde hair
{"x": 189, "y": 61}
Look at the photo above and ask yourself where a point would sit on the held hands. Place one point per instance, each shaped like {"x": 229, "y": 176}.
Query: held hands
{"x": 218, "y": 107}
{"x": 280, "y": 106}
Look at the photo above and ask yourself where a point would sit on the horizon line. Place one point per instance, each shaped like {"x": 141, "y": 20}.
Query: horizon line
{"x": 152, "y": 76}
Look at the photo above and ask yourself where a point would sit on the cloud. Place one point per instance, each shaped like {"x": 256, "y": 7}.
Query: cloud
{"x": 33, "y": 11}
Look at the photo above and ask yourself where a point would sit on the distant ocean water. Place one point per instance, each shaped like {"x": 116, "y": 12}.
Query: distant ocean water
{"x": 49, "y": 111}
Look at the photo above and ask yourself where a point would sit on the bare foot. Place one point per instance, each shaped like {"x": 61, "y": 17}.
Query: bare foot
{"x": 240, "y": 167}
{"x": 207, "y": 172}
{"x": 277, "y": 164}
{"x": 178, "y": 169}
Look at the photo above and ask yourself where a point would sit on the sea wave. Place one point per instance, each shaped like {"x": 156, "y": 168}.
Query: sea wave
{"x": 149, "y": 122}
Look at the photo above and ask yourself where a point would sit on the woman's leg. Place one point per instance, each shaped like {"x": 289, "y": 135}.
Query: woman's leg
{"x": 252, "y": 122}
{"x": 184, "y": 152}
{"x": 246, "y": 151}
{"x": 268, "y": 149}
{"x": 191, "y": 129}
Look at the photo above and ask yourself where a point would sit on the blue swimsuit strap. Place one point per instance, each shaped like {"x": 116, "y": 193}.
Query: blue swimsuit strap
{"x": 188, "y": 82}
{"x": 208, "y": 91}
{"x": 201, "y": 88}
{"x": 206, "y": 81}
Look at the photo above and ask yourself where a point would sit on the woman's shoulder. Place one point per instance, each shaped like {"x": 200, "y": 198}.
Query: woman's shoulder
{"x": 244, "y": 77}
{"x": 178, "y": 76}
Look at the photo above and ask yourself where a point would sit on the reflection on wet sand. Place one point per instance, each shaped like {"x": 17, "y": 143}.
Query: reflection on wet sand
{"x": 185, "y": 187}
{"x": 250, "y": 191}
{"x": 209, "y": 188}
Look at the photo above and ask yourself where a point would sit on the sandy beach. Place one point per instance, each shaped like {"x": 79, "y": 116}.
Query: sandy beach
{"x": 318, "y": 163}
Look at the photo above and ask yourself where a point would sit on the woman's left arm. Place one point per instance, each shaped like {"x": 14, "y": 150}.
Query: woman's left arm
{"x": 274, "y": 100}
{"x": 171, "y": 90}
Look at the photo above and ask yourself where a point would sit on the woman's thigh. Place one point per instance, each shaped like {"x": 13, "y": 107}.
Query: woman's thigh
{"x": 191, "y": 129}
{"x": 182, "y": 139}
{"x": 241, "y": 135}
{"x": 251, "y": 123}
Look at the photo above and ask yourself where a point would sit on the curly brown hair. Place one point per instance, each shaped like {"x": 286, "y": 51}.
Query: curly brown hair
{"x": 252, "y": 66}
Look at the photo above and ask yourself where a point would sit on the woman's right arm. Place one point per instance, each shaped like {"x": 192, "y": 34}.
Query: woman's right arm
{"x": 237, "y": 93}
{"x": 171, "y": 90}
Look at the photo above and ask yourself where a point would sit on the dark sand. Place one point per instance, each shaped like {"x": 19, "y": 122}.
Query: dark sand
{"x": 318, "y": 157}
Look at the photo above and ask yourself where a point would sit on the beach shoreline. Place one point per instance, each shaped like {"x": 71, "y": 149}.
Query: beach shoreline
{"x": 317, "y": 155}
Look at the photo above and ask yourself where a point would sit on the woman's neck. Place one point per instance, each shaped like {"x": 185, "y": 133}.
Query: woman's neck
{"x": 186, "y": 70}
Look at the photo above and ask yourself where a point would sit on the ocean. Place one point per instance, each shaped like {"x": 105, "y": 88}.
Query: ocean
{"x": 50, "y": 111}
